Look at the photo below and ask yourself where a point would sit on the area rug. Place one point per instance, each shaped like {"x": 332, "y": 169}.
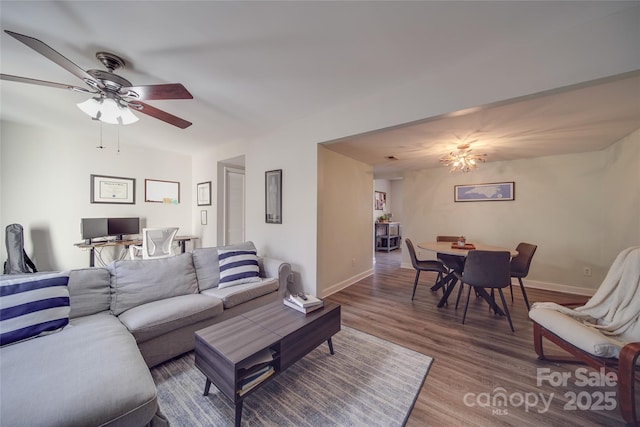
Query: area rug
{"x": 367, "y": 382}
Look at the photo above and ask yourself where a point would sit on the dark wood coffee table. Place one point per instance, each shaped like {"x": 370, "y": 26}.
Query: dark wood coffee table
{"x": 221, "y": 349}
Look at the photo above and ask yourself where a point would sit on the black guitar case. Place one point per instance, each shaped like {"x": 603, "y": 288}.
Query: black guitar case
{"x": 18, "y": 261}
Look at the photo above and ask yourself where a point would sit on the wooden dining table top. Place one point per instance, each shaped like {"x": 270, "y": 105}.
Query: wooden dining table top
{"x": 446, "y": 248}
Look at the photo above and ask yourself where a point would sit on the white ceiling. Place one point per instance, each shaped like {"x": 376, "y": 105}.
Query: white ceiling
{"x": 254, "y": 67}
{"x": 586, "y": 117}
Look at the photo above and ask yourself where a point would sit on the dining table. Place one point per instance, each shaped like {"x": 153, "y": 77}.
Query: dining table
{"x": 448, "y": 283}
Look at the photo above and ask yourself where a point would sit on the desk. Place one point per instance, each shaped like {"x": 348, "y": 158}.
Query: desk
{"x": 447, "y": 248}
{"x": 181, "y": 240}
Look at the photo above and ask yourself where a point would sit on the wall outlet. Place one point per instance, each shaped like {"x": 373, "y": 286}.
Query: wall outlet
{"x": 587, "y": 271}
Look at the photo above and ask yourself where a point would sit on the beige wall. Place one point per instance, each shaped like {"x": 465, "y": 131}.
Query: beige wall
{"x": 345, "y": 227}
{"x": 581, "y": 210}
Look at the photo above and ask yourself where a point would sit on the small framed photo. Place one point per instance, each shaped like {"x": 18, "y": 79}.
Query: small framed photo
{"x": 158, "y": 191}
{"x": 273, "y": 196}
{"x": 204, "y": 193}
{"x": 113, "y": 189}
{"x": 203, "y": 217}
{"x": 380, "y": 201}
{"x": 491, "y": 192}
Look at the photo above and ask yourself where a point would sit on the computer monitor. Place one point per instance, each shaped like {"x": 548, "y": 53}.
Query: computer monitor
{"x": 92, "y": 228}
{"x": 120, "y": 226}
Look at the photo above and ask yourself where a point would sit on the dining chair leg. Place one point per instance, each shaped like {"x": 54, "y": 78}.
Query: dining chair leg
{"x": 460, "y": 293}
{"x": 524, "y": 293}
{"x": 506, "y": 310}
{"x": 415, "y": 284}
{"x": 464, "y": 316}
{"x": 438, "y": 284}
{"x": 511, "y": 290}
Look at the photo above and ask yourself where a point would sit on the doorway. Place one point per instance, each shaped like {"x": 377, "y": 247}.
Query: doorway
{"x": 234, "y": 211}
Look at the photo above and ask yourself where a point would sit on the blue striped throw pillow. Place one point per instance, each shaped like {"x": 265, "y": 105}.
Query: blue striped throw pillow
{"x": 237, "y": 267}
{"x": 33, "y": 305}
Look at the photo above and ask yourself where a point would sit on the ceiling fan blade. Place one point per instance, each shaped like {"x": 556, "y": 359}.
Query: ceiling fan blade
{"x": 147, "y": 109}
{"x": 151, "y": 92}
{"x": 19, "y": 79}
{"x": 45, "y": 50}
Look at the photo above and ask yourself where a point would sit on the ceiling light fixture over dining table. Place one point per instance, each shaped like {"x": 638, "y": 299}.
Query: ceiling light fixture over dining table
{"x": 463, "y": 160}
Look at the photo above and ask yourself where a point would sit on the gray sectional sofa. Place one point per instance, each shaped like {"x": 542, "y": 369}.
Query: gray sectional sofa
{"x": 123, "y": 319}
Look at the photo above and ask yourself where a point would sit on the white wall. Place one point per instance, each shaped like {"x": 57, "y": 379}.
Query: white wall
{"x": 46, "y": 182}
{"x": 345, "y": 227}
{"x": 581, "y": 210}
{"x": 397, "y": 194}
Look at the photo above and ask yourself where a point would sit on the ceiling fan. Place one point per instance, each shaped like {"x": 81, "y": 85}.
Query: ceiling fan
{"x": 107, "y": 86}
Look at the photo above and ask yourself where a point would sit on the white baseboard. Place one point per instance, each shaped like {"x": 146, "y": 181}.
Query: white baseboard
{"x": 346, "y": 283}
{"x": 547, "y": 286}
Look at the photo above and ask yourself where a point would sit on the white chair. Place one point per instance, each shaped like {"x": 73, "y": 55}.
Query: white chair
{"x": 156, "y": 243}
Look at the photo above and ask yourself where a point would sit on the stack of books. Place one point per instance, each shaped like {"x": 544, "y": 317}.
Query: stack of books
{"x": 303, "y": 302}
{"x": 255, "y": 370}
{"x": 250, "y": 381}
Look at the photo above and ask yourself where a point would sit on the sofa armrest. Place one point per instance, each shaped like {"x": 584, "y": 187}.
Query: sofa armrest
{"x": 626, "y": 381}
{"x": 276, "y": 268}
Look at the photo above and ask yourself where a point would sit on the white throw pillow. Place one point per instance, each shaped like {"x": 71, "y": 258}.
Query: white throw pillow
{"x": 33, "y": 305}
{"x": 238, "y": 266}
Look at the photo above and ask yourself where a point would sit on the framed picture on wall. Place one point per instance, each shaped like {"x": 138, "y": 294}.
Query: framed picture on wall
{"x": 204, "y": 193}
{"x": 273, "y": 196}
{"x": 491, "y": 192}
{"x": 113, "y": 189}
{"x": 158, "y": 191}
{"x": 380, "y": 200}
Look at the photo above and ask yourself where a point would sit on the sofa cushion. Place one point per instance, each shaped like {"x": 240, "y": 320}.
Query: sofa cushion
{"x": 157, "y": 318}
{"x": 577, "y": 333}
{"x": 89, "y": 291}
{"x": 89, "y": 374}
{"x": 235, "y": 295}
{"x": 137, "y": 282}
{"x": 33, "y": 305}
{"x": 237, "y": 267}
{"x": 205, "y": 261}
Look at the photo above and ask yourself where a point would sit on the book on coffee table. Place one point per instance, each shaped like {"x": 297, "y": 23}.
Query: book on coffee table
{"x": 308, "y": 309}
{"x": 308, "y": 300}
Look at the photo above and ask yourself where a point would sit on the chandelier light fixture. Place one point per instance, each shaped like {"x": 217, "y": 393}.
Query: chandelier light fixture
{"x": 108, "y": 110}
{"x": 463, "y": 160}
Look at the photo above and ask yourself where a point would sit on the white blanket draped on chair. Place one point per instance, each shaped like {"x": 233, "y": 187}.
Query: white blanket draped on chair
{"x": 614, "y": 309}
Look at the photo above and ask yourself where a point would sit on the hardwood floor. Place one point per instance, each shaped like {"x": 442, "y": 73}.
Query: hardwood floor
{"x": 478, "y": 362}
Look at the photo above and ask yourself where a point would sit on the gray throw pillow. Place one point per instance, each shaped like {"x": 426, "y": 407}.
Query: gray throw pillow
{"x": 137, "y": 282}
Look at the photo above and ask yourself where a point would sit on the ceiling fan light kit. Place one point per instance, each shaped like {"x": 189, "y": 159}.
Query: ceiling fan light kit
{"x": 463, "y": 160}
{"x": 114, "y": 95}
{"x": 107, "y": 110}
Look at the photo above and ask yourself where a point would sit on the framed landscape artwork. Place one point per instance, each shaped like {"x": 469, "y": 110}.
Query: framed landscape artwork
{"x": 490, "y": 192}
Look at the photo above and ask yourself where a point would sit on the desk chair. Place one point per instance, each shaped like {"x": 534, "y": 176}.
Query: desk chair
{"x": 423, "y": 265}
{"x": 487, "y": 270}
{"x": 156, "y": 243}
{"x": 520, "y": 267}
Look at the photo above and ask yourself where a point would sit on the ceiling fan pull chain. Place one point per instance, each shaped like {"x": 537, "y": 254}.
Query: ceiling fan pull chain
{"x": 100, "y": 146}
{"x": 119, "y": 139}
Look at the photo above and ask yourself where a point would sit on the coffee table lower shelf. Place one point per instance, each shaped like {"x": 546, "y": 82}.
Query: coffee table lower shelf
{"x": 222, "y": 350}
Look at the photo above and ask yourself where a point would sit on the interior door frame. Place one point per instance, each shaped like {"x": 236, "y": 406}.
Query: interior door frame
{"x": 225, "y": 222}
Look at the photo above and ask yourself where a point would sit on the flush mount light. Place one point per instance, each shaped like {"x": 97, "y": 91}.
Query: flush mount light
{"x": 463, "y": 160}
{"x": 108, "y": 110}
